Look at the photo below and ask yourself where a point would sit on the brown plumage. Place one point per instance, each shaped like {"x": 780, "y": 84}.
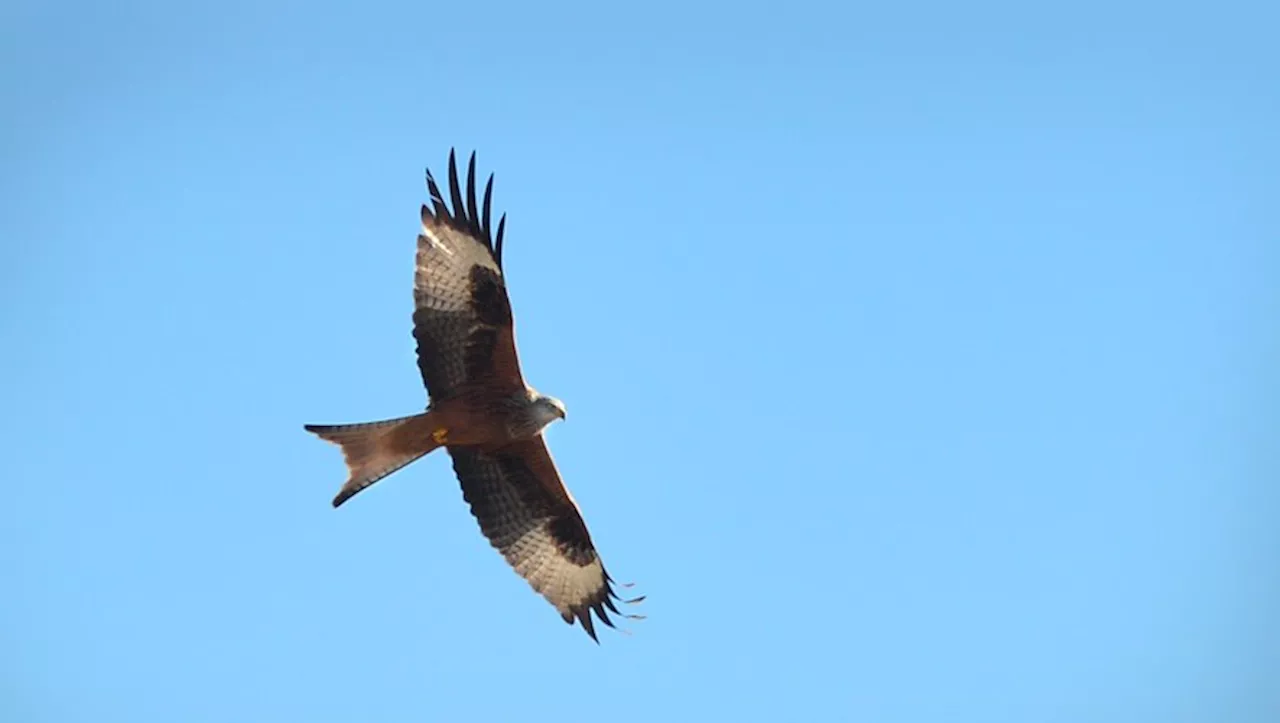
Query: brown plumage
{"x": 483, "y": 412}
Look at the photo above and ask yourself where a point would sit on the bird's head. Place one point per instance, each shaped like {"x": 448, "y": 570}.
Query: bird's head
{"x": 553, "y": 406}
{"x": 546, "y": 409}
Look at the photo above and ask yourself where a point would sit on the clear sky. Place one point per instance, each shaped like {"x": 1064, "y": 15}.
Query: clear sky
{"x": 920, "y": 362}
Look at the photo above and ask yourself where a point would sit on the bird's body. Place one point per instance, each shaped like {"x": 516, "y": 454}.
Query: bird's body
{"x": 483, "y": 412}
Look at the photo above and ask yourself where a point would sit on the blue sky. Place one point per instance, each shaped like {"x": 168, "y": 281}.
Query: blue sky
{"x": 920, "y": 361}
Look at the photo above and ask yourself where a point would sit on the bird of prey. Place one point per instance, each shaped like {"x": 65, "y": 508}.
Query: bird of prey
{"x": 481, "y": 410}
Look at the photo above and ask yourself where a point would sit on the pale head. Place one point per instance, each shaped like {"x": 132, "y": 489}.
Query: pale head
{"x": 548, "y": 408}
{"x": 542, "y": 410}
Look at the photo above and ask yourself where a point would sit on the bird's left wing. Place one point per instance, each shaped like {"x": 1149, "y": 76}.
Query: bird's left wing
{"x": 523, "y": 508}
{"x": 462, "y": 317}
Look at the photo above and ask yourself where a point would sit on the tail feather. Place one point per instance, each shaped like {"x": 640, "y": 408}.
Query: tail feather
{"x": 374, "y": 450}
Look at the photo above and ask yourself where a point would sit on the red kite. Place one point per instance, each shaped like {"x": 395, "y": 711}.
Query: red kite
{"x": 483, "y": 412}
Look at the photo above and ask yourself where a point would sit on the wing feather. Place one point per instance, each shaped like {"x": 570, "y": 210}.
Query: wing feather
{"x": 471, "y": 197}
{"x": 462, "y": 315}
{"x": 524, "y": 509}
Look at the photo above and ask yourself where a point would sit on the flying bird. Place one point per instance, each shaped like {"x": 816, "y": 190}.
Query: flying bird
{"x": 481, "y": 410}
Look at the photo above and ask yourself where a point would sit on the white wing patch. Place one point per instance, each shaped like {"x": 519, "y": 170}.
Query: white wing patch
{"x": 445, "y": 258}
{"x": 565, "y": 585}
{"x": 436, "y": 243}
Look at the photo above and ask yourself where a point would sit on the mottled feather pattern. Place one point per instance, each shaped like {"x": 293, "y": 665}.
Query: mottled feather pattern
{"x": 458, "y": 291}
{"x": 541, "y": 536}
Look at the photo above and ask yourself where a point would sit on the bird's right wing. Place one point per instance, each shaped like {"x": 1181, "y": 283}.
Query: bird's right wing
{"x": 462, "y": 317}
{"x": 524, "y": 509}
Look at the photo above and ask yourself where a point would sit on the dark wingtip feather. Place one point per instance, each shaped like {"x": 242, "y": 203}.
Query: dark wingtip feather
{"x": 497, "y": 246}
{"x": 583, "y": 614}
{"x": 455, "y": 190}
{"x": 471, "y": 196}
{"x": 488, "y": 195}
{"x": 614, "y": 595}
{"x": 600, "y": 613}
{"x": 437, "y": 201}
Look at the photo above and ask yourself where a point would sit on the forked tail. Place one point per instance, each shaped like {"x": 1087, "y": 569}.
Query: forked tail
{"x": 374, "y": 450}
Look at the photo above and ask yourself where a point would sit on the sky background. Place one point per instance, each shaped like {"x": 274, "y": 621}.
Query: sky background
{"x": 920, "y": 360}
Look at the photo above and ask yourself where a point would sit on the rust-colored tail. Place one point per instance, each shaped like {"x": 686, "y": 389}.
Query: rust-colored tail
{"x": 374, "y": 450}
